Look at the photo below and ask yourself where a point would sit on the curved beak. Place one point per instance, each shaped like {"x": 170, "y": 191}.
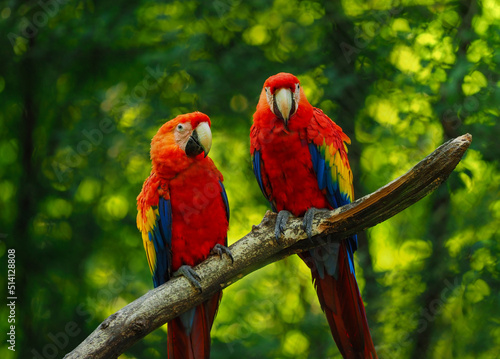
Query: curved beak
{"x": 284, "y": 104}
{"x": 200, "y": 141}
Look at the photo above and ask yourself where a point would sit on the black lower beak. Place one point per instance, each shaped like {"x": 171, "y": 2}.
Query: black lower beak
{"x": 193, "y": 146}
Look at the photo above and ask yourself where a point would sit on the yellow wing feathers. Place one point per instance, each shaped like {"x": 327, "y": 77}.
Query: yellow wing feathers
{"x": 146, "y": 222}
{"x": 340, "y": 169}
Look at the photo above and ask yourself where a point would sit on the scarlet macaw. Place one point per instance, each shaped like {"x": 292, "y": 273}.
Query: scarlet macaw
{"x": 183, "y": 215}
{"x": 299, "y": 158}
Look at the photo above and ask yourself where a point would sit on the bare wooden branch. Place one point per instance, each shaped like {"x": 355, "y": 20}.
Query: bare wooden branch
{"x": 259, "y": 248}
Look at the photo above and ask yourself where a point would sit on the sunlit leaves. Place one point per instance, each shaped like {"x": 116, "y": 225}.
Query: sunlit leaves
{"x": 256, "y": 35}
{"x": 58, "y": 208}
{"x": 405, "y": 59}
{"x": 295, "y": 344}
{"x": 479, "y": 50}
{"x": 88, "y": 190}
{"x": 473, "y": 83}
{"x": 384, "y": 112}
{"x": 490, "y": 16}
{"x": 400, "y": 25}
{"x": 477, "y": 290}
{"x": 114, "y": 207}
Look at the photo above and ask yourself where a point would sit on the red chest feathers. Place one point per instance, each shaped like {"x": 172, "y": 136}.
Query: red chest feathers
{"x": 287, "y": 168}
{"x": 198, "y": 216}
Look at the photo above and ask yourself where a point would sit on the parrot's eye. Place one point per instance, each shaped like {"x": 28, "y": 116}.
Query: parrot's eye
{"x": 180, "y": 127}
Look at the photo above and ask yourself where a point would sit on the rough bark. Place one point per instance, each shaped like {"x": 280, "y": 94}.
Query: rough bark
{"x": 259, "y": 248}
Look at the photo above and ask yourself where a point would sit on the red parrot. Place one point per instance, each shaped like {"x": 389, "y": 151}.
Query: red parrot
{"x": 299, "y": 158}
{"x": 183, "y": 215}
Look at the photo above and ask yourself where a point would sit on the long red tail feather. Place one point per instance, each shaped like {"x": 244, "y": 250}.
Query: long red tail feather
{"x": 341, "y": 301}
{"x": 194, "y": 344}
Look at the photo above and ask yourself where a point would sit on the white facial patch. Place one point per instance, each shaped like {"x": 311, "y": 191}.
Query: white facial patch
{"x": 270, "y": 99}
{"x": 182, "y": 133}
{"x": 296, "y": 98}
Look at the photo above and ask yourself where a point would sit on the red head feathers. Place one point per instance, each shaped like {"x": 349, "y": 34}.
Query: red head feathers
{"x": 180, "y": 142}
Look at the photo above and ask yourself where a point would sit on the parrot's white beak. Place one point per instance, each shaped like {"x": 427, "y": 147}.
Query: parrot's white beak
{"x": 204, "y": 136}
{"x": 283, "y": 104}
{"x": 199, "y": 141}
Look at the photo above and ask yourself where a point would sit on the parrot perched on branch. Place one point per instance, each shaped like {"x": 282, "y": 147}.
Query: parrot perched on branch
{"x": 183, "y": 215}
{"x": 299, "y": 158}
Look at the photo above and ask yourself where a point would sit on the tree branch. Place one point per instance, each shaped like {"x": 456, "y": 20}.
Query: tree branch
{"x": 259, "y": 248}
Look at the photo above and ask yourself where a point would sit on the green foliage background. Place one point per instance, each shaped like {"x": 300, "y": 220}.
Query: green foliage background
{"x": 84, "y": 85}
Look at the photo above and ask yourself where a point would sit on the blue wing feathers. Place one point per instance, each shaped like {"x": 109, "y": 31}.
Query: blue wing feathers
{"x": 256, "y": 170}
{"x": 256, "y": 161}
{"x": 321, "y": 174}
{"x": 314, "y": 156}
{"x": 166, "y": 219}
{"x": 352, "y": 245}
{"x": 161, "y": 236}
{"x": 224, "y": 198}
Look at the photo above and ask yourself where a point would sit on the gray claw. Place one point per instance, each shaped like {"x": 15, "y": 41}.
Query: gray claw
{"x": 219, "y": 249}
{"x": 281, "y": 220}
{"x": 308, "y": 220}
{"x": 189, "y": 273}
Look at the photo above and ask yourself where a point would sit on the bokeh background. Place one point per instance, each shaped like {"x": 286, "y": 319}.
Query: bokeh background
{"x": 84, "y": 85}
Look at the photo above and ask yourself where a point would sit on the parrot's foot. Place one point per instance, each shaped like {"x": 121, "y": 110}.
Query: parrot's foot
{"x": 281, "y": 220}
{"x": 219, "y": 250}
{"x": 308, "y": 220}
{"x": 189, "y": 273}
